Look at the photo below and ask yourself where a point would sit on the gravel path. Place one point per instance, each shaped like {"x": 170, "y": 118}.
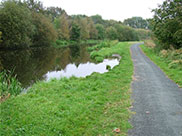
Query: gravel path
{"x": 157, "y": 100}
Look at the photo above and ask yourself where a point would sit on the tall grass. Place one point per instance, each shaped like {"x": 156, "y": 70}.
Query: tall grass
{"x": 9, "y": 84}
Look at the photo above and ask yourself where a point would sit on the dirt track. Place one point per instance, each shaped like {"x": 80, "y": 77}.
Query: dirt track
{"x": 157, "y": 100}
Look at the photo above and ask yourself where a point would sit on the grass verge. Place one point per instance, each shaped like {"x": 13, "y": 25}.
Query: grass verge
{"x": 174, "y": 73}
{"x": 91, "y": 106}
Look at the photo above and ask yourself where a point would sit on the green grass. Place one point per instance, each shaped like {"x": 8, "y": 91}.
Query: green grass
{"x": 173, "y": 72}
{"x": 101, "y": 45}
{"x": 90, "y": 106}
{"x": 64, "y": 43}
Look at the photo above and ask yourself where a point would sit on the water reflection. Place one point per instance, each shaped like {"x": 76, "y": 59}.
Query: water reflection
{"x": 45, "y": 63}
{"x": 82, "y": 70}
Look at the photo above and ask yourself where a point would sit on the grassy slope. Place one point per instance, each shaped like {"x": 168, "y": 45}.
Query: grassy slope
{"x": 174, "y": 74}
{"x": 94, "y": 105}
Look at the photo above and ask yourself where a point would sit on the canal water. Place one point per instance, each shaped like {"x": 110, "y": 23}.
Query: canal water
{"x": 46, "y": 63}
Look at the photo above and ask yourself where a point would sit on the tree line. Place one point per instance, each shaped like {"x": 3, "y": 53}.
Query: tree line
{"x": 30, "y": 24}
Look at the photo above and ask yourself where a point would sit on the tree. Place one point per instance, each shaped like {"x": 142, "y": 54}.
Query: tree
{"x": 54, "y": 12}
{"x": 75, "y": 32}
{"x": 92, "y": 29}
{"x": 126, "y": 33}
{"x": 137, "y": 22}
{"x": 111, "y": 33}
{"x": 143, "y": 34}
{"x": 34, "y": 5}
{"x": 84, "y": 28}
{"x": 62, "y": 26}
{"x": 45, "y": 33}
{"x": 167, "y": 23}
{"x": 101, "y": 31}
{"x": 16, "y": 25}
{"x": 97, "y": 19}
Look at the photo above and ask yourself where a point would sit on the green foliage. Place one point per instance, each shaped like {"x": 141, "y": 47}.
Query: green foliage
{"x": 101, "y": 45}
{"x": 54, "y": 12}
{"x": 75, "y": 32}
{"x": 16, "y": 25}
{"x": 62, "y": 26}
{"x": 167, "y": 25}
{"x": 101, "y": 31}
{"x": 29, "y": 23}
{"x": 34, "y": 6}
{"x": 93, "y": 33}
{"x": 143, "y": 34}
{"x": 126, "y": 33}
{"x": 170, "y": 61}
{"x": 84, "y": 29}
{"x": 94, "y": 105}
{"x": 45, "y": 33}
{"x": 97, "y": 19}
{"x": 111, "y": 33}
{"x": 9, "y": 84}
{"x": 137, "y": 22}
{"x": 106, "y": 52}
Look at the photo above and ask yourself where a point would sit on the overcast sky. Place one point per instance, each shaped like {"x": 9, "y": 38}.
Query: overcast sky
{"x": 108, "y": 9}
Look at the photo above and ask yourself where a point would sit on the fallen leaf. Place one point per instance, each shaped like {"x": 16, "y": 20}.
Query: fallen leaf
{"x": 117, "y": 130}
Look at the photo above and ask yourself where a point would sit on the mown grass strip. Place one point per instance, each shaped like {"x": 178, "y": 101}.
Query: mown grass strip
{"x": 90, "y": 106}
{"x": 174, "y": 74}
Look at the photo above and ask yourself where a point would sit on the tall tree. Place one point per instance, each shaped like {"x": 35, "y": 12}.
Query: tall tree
{"x": 126, "y": 33}
{"x": 92, "y": 29}
{"x": 75, "y": 32}
{"x": 136, "y": 22}
{"x": 62, "y": 26}
{"x": 84, "y": 28}
{"x": 101, "y": 31}
{"x": 16, "y": 25}
{"x": 97, "y": 19}
{"x": 111, "y": 33}
{"x": 35, "y": 5}
{"x": 54, "y": 12}
{"x": 45, "y": 33}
